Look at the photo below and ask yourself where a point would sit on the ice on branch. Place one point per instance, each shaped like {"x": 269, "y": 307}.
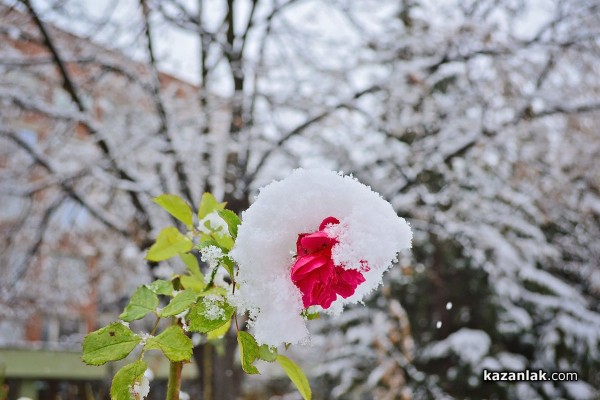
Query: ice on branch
{"x": 363, "y": 235}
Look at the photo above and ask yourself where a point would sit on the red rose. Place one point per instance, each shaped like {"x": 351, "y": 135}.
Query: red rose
{"x": 314, "y": 272}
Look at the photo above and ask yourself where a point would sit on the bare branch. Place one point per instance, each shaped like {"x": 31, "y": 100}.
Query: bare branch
{"x": 70, "y": 87}
{"x": 39, "y": 239}
{"x": 306, "y": 124}
{"x": 182, "y": 177}
{"x": 66, "y": 187}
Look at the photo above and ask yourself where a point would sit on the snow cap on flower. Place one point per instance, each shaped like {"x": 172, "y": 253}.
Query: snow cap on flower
{"x": 368, "y": 237}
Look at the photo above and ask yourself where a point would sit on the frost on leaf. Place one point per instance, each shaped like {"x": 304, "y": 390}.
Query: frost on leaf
{"x": 130, "y": 382}
{"x": 211, "y": 312}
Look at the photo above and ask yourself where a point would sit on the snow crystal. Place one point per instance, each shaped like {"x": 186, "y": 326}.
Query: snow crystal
{"x": 438, "y": 324}
{"x": 369, "y": 231}
{"x": 213, "y": 306}
{"x": 211, "y": 255}
{"x": 141, "y": 389}
{"x": 144, "y": 336}
{"x": 182, "y": 320}
{"x": 449, "y": 305}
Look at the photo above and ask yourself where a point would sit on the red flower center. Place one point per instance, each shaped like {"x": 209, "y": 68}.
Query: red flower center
{"x": 314, "y": 272}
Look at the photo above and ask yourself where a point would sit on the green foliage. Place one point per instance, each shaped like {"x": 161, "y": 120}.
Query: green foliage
{"x": 223, "y": 241}
{"x": 125, "y": 379}
{"x": 190, "y": 282}
{"x": 228, "y": 264}
{"x": 191, "y": 262}
{"x": 219, "y": 332}
{"x": 161, "y": 287}
{"x": 296, "y": 375}
{"x": 181, "y": 302}
{"x": 169, "y": 243}
{"x": 203, "y": 302}
{"x": 177, "y": 207}
{"x": 111, "y": 343}
{"x": 310, "y": 315}
{"x": 143, "y": 302}
{"x": 232, "y": 220}
{"x": 202, "y": 315}
{"x": 173, "y": 342}
{"x": 249, "y": 352}
{"x": 267, "y": 353}
{"x": 209, "y": 204}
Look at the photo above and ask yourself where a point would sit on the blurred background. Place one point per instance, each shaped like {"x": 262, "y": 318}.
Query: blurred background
{"x": 477, "y": 119}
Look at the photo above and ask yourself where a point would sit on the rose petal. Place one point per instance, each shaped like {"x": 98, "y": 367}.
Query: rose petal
{"x": 306, "y": 264}
{"x": 328, "y": 221}
{"x": 317, "y": 241}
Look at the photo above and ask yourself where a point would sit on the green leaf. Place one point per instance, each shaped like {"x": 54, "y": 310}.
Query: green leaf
{"x": 232, "y": 220}
{"x": 248, "y": 352}
{"x": 125, "y": 379}
{"x": 296, "y": 375}
{"x": 219, "y": 332}
{"x": 169, "y": 243}
{"x": 267, "y": 353}
{"x": 205, "y": 241}
{"x": 209, "y": 204}
{"x": 143, "y": 302}
{"x": 209, "y": 314}
{"x": 228, "y": 264}
{"x": 224, "y": 242}
{"x": 191, "y": 262}
{"x": 177, "y": 207}
{"x": 173, "y": 342}
{"x": 162, "y": 287}
{"x": 111, "y": 343}
{"x": 189, "y": 282}
{"x": 179, "y": 303}
{"x": 311, "y": 315}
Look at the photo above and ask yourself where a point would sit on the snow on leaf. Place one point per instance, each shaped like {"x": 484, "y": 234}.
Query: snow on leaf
{"x": 209, "y": 313}
{"x": 125, "y": 381}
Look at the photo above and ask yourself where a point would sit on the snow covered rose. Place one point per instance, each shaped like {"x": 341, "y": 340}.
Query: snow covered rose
{"x": 315, "y": 272}
{"x": 315, "y": 239}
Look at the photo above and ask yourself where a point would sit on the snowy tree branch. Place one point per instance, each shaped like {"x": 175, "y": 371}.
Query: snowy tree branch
{"x": 69, "y": 86}
{"x": 66, "y": 187}
{"x": 306, "y": 124}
